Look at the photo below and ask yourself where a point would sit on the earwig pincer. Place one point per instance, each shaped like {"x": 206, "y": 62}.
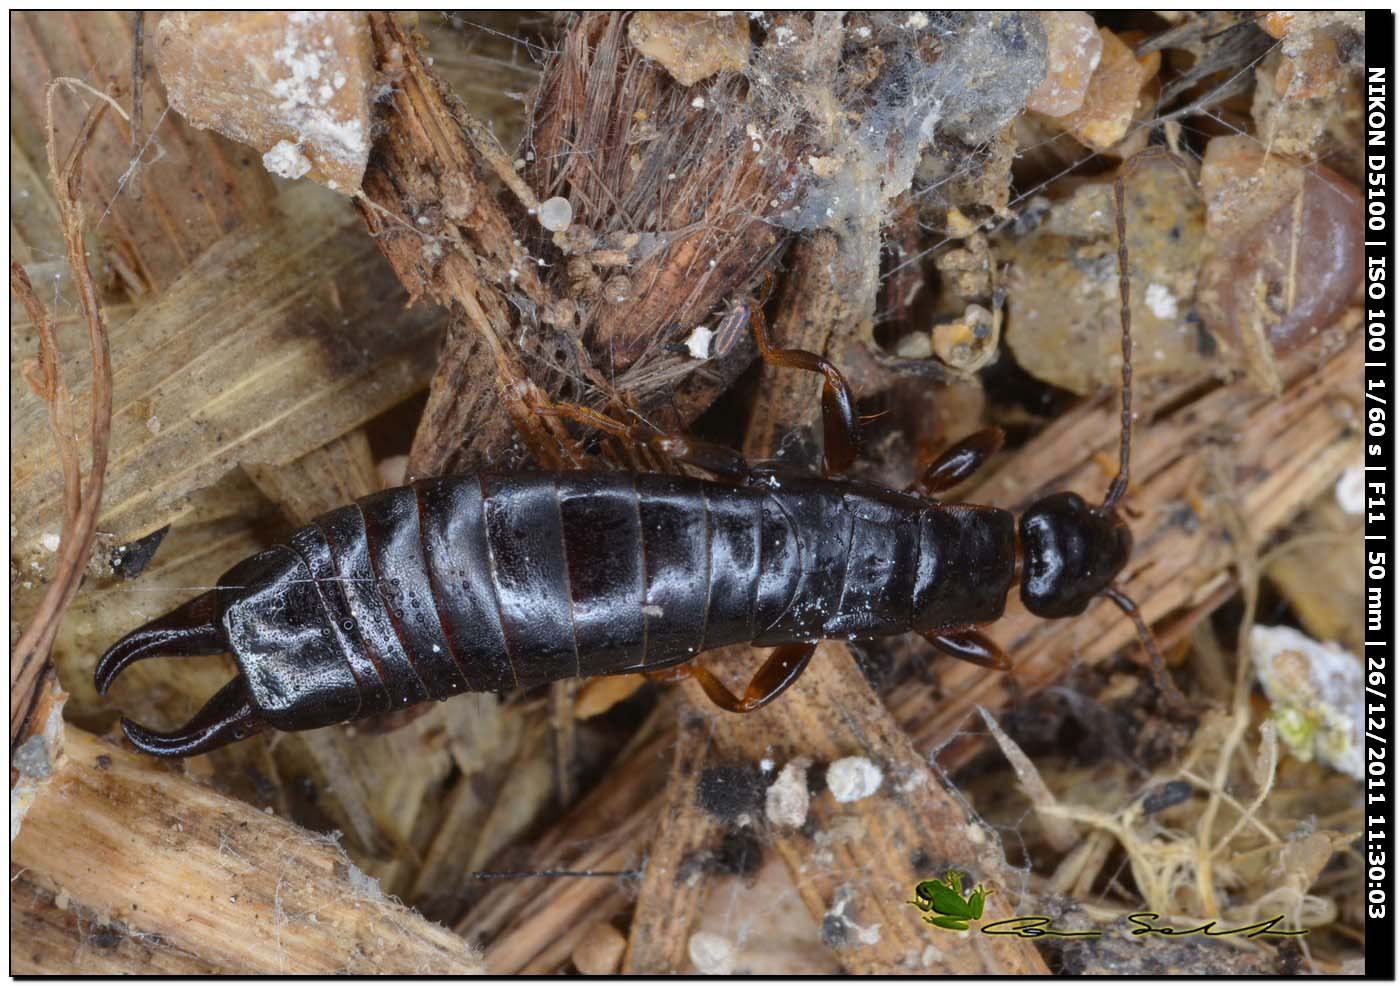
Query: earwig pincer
{"x": 493, "y": 582}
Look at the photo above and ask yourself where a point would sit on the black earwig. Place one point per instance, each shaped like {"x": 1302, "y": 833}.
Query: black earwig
{"x": 494, "y": 582}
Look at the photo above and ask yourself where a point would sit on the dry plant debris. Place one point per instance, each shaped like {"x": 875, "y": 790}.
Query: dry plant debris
{"x": 588, "y": 208}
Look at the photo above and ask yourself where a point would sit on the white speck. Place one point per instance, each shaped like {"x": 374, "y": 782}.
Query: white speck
{"x": 699, "y": 342}
{"x": 853, "y": 778}
{"x": 862, "y": 32}
{"x": 514, "y": 274}
{"x": 437, "y": 649}
{"x": 783, "y": 35}
{"x": 917, "y": 21}
{"x": 712, "y": 954}
{"x": 671, "y": 176}
{"x": 698, "y": 102}
{"x": 519, "y": 164}
{"x": 305, "y": 99}
{"x": 757, "y": 146}
{"x": 912, "y": 779}
{"x": 1351, "y": 490}
{"x": 423, "y": 220}
{"x": 338, "y": 79}
{"x": 766, "y": 765}
{"x": 787, "y": 799}
{"x": 50, "y": 541}
{"x": 286, "y": 160}
{"x": 1161, "y": 301}
{"x": 656, "y": 611}
{"x": 556, "y": 214}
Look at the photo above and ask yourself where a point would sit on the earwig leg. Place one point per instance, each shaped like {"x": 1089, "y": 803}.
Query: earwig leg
{"x": 712, "y": 458}
{"x": 840, "y": 434}
{"x": 226, "y": 718}
{"x": 961, "y": 461}
{"x": 972, "y": 647}
{"x": 183, "y": 632}
{"x": 783, "y": 667}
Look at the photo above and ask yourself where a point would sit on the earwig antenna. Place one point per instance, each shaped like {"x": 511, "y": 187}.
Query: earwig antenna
{"x": 1165, "y": 684}
{"x": 1119, "y": 486}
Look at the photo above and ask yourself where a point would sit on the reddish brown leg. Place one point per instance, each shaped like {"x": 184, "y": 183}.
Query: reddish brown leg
{"x": 676, "y": 672}
{"x": 971, "y": 646}
{"x": 712, "y": 458}
{"x": 841, "y": 437}
{"x": 960, "y": 461}
{"x": 783, "y": 667}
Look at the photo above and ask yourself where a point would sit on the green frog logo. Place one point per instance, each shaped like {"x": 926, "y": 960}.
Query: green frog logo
{"x": 946, "y": 905}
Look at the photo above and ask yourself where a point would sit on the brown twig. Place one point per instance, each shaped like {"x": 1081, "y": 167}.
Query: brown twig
{"x": 80, "y": 518}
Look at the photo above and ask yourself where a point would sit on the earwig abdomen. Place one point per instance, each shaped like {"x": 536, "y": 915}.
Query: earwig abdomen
{"x": 504, "y": 581}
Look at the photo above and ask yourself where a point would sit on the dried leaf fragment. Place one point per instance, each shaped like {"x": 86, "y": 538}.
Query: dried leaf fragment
{"x": 295, "y": 85}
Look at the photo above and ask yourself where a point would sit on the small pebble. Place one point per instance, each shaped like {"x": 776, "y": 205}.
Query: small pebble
{"x": 556, "y": 214}
{"x": 286, "y": 160}
{"x": 853, "y": 778}
{"x": 699, "y": 342}
{"x": 1074, "y": 49}
{"x": 787, "y": 799}
{"x": 691, "y": 45}
{"x": 1111, "y": 98}
{"x": 1286, "y": 244}
{"x": 1351, "y": 490}
{"x": 712, "y": 954}
{"x": 600, "y": 951}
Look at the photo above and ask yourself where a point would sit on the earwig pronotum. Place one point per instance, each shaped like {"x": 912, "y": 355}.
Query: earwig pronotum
{"x": 491, "y": 582}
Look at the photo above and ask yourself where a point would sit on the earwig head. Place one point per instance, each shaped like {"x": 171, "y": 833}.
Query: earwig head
{"x": 1070, "y": 552}
{"x": 267, "y": 612}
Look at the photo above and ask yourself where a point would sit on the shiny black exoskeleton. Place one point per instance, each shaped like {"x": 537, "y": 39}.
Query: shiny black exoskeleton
{"x": 496, "y": 582}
